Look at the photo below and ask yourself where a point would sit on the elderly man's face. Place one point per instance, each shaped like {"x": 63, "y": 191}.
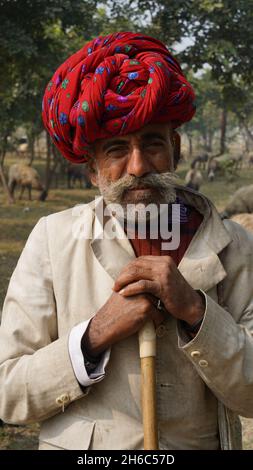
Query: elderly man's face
{"x": 137, "y": 167}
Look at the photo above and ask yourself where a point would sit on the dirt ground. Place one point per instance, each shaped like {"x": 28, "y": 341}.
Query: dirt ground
{"x": 19, "y": 437}
{"x": 26, "y": 437}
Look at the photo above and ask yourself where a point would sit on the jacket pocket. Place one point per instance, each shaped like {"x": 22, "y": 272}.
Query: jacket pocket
{"x": 66, "y": 431}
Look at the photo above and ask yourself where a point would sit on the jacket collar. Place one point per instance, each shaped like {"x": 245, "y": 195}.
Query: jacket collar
{"x": 112, "y": 253}
{"x": 200, "y": 265}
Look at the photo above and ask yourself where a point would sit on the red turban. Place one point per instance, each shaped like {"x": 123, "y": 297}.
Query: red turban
{"x": 114, "y": 85}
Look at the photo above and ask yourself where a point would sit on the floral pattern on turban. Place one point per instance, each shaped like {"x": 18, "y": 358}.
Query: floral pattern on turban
{"x": 114, "y": 85}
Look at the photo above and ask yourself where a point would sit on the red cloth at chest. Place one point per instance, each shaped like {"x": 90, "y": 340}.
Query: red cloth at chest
{"x": 153, "y": 247}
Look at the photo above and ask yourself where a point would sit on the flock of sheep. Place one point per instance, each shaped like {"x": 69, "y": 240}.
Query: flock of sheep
{"x": 239, "y": 208}
{"x": 26, "y": 177}
{"x": 224, "y": 165}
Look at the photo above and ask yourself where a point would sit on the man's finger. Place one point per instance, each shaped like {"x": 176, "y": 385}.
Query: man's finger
{"x": 133, "y": 275}
{"x": 143, "y": 286}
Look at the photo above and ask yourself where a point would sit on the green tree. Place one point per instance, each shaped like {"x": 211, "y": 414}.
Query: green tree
{"x": 35, "y": 37}
{"x": 220, "y": 34}
{"x": 205, "y": 124}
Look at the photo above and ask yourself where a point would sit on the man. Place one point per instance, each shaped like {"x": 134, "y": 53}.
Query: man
{"x": 76, "y": 300}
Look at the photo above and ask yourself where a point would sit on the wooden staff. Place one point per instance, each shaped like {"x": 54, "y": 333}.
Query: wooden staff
{"x": 147, "y": 343}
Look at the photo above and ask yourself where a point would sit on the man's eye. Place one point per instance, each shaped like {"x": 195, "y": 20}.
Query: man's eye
{"x": 155, "y": 144}
{"x": 117, "y": 150}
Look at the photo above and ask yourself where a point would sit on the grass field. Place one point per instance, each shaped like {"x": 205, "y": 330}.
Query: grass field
{"x": 17, "y": 222}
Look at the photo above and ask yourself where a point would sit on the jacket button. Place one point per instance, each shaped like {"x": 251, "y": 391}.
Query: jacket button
{"x": 160, "y": 331}
{"x": 195, "y": 353}
{"x": 203, "y": 363}
{"x": 62, "y": 400}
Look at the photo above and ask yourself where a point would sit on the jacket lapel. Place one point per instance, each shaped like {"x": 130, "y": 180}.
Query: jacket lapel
{"x": 112, "y": 253}
{"x": 201, "y": 265}
{"x": 202, "y": 272}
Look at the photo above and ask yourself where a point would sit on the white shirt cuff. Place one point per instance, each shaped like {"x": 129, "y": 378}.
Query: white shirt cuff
{"x": 77, "y": 359}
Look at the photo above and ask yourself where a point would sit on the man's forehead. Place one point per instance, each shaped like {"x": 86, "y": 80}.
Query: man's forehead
{"x": 148, "y": 131}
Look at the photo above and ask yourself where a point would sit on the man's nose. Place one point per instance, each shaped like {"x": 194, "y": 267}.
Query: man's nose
{"x": 138, "y": 164}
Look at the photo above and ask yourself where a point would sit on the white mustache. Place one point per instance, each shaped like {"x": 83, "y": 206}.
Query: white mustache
{"x": 113, "y": 191}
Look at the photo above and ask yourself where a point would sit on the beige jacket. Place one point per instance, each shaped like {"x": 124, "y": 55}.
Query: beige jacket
{"x": 61, "y": 280}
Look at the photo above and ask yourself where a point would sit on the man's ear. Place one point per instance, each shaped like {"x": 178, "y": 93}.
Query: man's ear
{"x": 92, "y": 168}
{"x": 177, "y": 147}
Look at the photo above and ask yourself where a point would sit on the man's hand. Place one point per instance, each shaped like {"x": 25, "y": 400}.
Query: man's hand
{"x": 159, "y": 275}
{"x": 119, "y": 318}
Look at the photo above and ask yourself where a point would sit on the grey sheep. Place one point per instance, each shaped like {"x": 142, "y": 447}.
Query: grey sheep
{"x": 23, "y": 175}
{"x": 193, "y": 179}
{"x": 80, "y": 173}
{"x": 241, "y": 202}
